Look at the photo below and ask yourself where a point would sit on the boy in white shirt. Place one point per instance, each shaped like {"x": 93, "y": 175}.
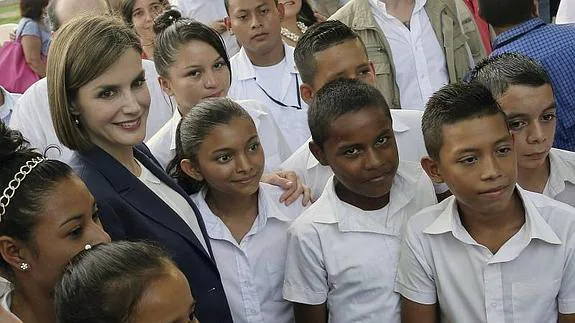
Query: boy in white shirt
{"x": 492, "y": 252}
{"x": 264, "y": 69}
{"x": 523, "y": 90}
{"x": 343, "y": 251}
{"x": 328, "y": 51}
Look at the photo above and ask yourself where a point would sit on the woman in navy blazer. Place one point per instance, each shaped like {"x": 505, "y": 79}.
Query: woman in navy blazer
{"x": 99, "y": 105}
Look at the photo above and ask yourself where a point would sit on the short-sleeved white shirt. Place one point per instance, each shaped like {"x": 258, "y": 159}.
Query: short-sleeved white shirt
{"x": 247, "y": 84}
{"x": 253, "y": 271}
{"x": 529, "y": 280}
{"x": 410, "y": 145}
{"x": 31, "y": 115}
{"x": 163, "y": 143}
{"x": 347, "y": 257}
{"x": 561, "y": 183}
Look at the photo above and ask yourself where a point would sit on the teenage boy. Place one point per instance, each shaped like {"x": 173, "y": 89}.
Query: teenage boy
{"x": 328, "y": 51}
{"x": 343, "y": 251}
{"x": 264, "y": 68}
{"x": 523, "y": 90}
{"x": 492, "y": 252}
{"x": 520, "y": 30}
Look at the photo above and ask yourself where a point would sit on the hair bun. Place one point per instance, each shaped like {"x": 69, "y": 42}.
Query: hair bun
{"x": 166, "y": 19}
{"x": 11, "y": 142}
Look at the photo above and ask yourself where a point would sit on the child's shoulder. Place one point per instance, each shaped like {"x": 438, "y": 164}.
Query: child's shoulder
{"x": 412, "y": 180}
{"x": 322, "y": 211}
{"x": 428, "y": 216}
{"x": 272, "y": 195}
{"x": 567, "y": 157}
{"x": 557, "y": 214}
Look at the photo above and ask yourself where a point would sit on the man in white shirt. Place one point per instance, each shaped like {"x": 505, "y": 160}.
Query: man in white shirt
{"x": 7, "y": 103}
{"x": 211, "y": 13}
{"x": 417, "y": 46}
{"x": 492, "y": 252}
{"x": 331, "y": 50}
{"x": 264, "y": 68}
{"x": 32, "y": 113}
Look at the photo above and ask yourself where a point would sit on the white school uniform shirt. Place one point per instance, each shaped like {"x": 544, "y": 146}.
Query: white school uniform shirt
{"x": 418, "y": 56}
{"x": 248, "y": 82}
{"x": 347, "y": 257}
{"x": 163, "y": 143}
{"x": 561, "y": 182}
{"x": 7, "y": 108}
{"x": 566, "y": 12}
{"x": 529, "y": 280}
{"x": 252, "y": 271}
{"x": 32, "y": 115}
{"x": 206, "y": 12}
{"x": 410, "y": 145}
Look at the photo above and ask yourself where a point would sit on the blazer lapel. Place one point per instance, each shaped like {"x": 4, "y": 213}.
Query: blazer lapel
{"x": 143, "y": 199}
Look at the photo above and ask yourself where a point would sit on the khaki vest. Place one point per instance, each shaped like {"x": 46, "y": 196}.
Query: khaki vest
{"x": 461, "y": 42}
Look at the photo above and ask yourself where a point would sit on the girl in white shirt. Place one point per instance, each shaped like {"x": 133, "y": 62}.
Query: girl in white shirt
{"x": 219, "y": 161}
{"x": 47, "y": 215}
{"x": 193, "y": 65}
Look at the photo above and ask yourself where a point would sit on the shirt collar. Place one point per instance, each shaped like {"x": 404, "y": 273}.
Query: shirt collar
{"x": 449, "y": 221}
{"x": 174, "y": 121}
{"x": 267, "y": 209}
{"x": 379, "y": 7}
{"x": 398, "y": 127}
{"x": 517, "y": 32}
{"x": 245, "y": 69}
{"x": 401, "y": 194}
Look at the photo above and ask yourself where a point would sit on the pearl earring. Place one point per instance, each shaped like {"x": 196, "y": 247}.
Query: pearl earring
{"x": 24, "y": 266}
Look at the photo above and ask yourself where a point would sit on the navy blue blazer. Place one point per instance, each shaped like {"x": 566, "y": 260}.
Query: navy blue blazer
{"x": 131, "y": 211}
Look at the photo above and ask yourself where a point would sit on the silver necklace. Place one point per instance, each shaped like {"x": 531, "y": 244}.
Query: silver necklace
{"x": 291, "y": 36}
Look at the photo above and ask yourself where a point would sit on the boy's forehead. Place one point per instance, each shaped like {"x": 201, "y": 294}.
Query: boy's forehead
{"x": 354, "y": 121}
{"x": 338, "y": 58}
{"x": 235, "y": 5}
{"x": 474, "y": 133}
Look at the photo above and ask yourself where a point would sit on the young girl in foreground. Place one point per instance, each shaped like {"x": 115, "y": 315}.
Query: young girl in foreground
{"x": 124, "y": 282}
{"x": 219, "y": 160}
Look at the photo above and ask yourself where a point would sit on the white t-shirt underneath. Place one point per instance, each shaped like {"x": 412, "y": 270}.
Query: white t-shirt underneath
{"x": 174, "y": 200}
{"x": 269, "y": 77}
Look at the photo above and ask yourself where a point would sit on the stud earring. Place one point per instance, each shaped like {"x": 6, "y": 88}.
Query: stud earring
{"x": 24, "y": 266}
{"x": 87, "y": 247}
{"x": 76, "y": 121}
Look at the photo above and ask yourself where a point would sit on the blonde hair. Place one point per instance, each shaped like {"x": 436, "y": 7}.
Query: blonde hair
{"x": 83, "y": 49}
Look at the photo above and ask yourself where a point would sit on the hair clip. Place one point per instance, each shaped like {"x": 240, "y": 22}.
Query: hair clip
{"x": 13, "y": 185}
